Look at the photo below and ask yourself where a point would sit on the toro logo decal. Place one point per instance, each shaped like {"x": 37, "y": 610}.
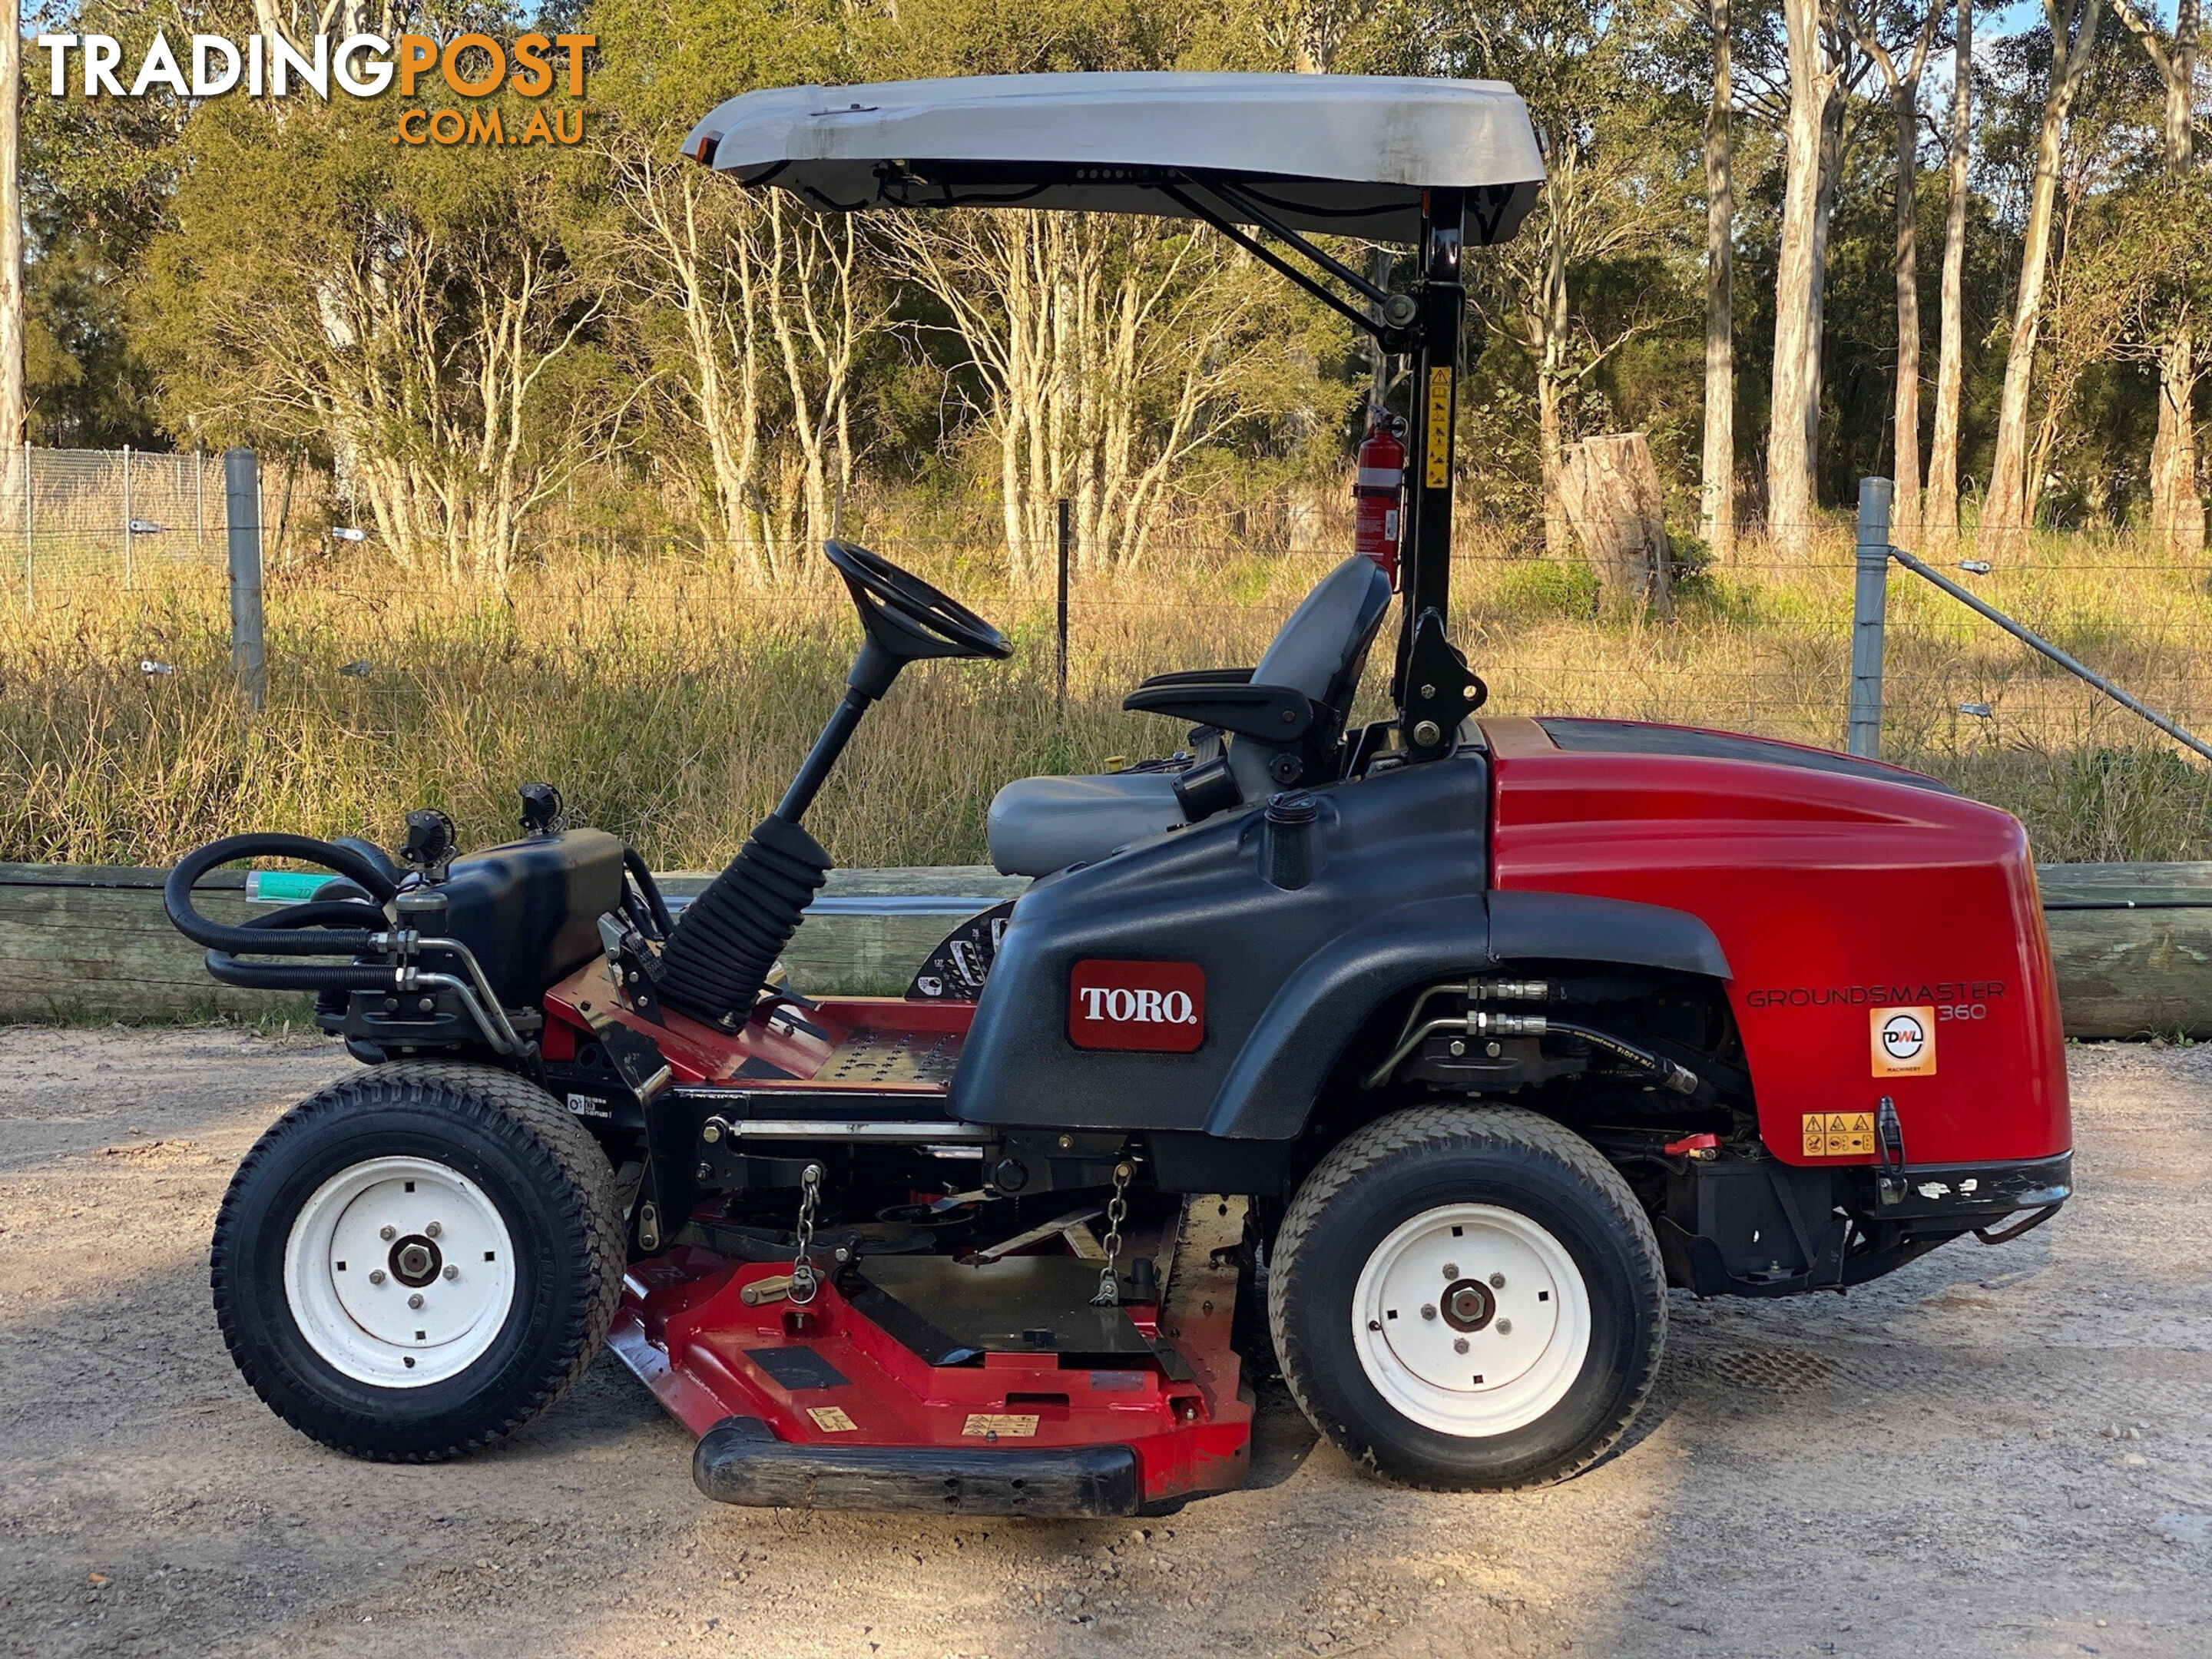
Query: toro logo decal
{"x": 1157, "y": 1007}
{"x": 1904, "y": 1042}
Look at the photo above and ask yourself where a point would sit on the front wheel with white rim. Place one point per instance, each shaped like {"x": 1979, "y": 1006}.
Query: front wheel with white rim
{"x": 1467, "y": 1298}
{"x": 418, "y": 1259}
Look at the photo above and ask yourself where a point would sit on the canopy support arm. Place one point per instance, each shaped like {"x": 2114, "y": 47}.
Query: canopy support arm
{"x": 1431, "y": 686}
{"x": 1392, "y": 339}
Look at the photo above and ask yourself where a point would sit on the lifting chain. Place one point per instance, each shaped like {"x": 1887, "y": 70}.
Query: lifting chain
{"x": 805, "y": 1283}
{"x": 1117, "y": 1209}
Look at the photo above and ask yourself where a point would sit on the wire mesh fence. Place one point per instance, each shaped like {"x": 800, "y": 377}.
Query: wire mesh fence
{"x": 638, "y": 662}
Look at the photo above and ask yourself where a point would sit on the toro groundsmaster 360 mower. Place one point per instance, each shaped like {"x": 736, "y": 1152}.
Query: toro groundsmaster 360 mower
{"x": 1458, "y": 1040}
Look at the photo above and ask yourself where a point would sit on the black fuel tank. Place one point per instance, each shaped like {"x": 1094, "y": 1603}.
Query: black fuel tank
{"x": 1193, "y": 913}
{"x": 529, "y": 909}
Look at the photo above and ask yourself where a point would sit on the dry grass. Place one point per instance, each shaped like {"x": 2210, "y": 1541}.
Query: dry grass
{"x": 671, "y": 701}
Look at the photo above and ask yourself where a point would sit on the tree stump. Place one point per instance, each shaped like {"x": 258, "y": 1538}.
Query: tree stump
{"x": 1610, "y": 489}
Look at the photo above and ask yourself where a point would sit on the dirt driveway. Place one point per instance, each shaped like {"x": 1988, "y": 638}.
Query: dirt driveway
{"x": 1993, "y": 1452}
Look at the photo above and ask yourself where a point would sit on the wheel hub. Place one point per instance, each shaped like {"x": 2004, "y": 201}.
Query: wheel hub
{"x": 1470, "y": 1319}
{"x": 1468, "y": 1306}
{"x": 416, "y": 1260}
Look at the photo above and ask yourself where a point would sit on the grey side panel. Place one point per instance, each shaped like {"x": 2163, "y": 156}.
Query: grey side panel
{"x": 1578, "y": 928}
{"x": 1398, "y": 839}
{"x": 1270, "y": 1089}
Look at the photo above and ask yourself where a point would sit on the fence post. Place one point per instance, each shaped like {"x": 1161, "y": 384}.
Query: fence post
{"x": 1869, "y": 602}
{"x": 199, "y": 503}
{"x": 248, "y": 655}
{"x": 1067, "y": 547}
{"x": 30, "y": 594}
{"x": 128, "y": 538}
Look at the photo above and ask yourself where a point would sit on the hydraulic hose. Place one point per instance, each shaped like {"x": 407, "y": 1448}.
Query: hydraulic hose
{"x": 642, "y": 875}
{"x": 272, "y": 936}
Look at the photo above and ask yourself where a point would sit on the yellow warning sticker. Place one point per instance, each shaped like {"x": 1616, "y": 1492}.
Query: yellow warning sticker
{"x": 1435, "y": 455}
{"x": 1904, "y": 1042}
{"x": 831, "y": 1419}
{"x": 1838, "y": 1134}
{"x": 990, "y": 1425}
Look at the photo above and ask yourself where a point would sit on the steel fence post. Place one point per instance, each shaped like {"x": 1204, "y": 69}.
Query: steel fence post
{"x": 1869, "y": 603}
{"x": 248, "y": 653}
{"x": 127, "y": 535}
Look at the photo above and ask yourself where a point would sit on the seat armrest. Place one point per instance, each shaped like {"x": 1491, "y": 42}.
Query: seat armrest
{"x": 1198, "y": 677}
{"x": 1274, "y": 715}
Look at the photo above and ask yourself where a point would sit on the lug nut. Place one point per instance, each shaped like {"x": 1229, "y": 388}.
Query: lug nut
{"x": 1505, "y": 1328}
{"x": 432, "y": 1230}
{"x": 1460, "y": 1346}
{"x": 1497, "y": 1281}
{"x": 387, "y": 1234}
{"x": 416, "y": 1300}
{"x": 451, "y": 1271}
{"x": 1451, "y": 1270}
{"x": 1428, "y": 1311}
{"x": 376, "y": 1275}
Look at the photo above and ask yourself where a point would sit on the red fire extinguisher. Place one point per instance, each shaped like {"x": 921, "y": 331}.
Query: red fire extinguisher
{"x": 1379, "y": 493}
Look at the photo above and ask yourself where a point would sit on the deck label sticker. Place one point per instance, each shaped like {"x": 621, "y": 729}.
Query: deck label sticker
{"x": 589, "y": 1106}
{"x": 1154, "y": 1007}
{"x": 831, "y": 1419}
{"x": 993, "y": 1425}
{"x": 1838, "y": 1134}
{"x": 1904, "y": 1042}
{"x": 1436, "y": 458}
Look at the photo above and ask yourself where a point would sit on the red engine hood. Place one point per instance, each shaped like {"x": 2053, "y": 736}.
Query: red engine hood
{"x": 1885, "y": 935}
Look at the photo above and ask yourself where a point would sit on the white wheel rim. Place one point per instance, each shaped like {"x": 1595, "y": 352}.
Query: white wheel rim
{"x": 1471, "y": 1320}
{"x": 399, "y": 1272}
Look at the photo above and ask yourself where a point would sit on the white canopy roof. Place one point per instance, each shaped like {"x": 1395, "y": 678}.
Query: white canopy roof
{"x": 1341, "y": 153}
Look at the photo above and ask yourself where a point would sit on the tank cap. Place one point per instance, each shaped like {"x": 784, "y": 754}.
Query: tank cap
{"x": 1293, "y": 806}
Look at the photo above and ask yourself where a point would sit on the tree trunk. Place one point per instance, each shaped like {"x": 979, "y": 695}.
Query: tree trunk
{"x": 1941, "y": 519}
{"x": 2177, "y": 510}
{"x": 1717, "y": 496}
{"x": 1610, "y": 489}
{"x": 2004, "y": 521}
{"x": 1905, "y": 514}
{"x": 1795, "y": 400}
{"x": 14, "y": 482}
{"x": 1550, "y": 381}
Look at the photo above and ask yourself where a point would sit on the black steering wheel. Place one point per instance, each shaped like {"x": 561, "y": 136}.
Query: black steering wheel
{"x": 906, "y": 618}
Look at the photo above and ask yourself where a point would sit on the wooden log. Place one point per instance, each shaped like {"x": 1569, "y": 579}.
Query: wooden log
{"x": 91, "y": 942}
{"x": 2136, "y": 972}
{"x": 1611, "y": 490}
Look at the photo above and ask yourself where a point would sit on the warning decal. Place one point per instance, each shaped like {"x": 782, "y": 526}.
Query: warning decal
{"x": 1840, "y": 1134}
{"x": 989, "y": 1425}
{"x": 1904, "y": 1042}
{"x": 1436, "y": 457}
{"x": 831, "y": 1419}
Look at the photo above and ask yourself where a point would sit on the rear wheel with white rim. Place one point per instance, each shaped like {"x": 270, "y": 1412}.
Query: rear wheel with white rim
{"x": 417, "y": 1260}
{"x": 1467, "y": 1298}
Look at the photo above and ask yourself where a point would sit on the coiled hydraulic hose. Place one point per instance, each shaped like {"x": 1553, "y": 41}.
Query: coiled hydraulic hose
{"x": 280, "y": 935}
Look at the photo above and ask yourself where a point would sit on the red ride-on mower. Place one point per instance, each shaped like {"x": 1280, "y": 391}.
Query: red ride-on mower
{"x": 1459, "y": 1039}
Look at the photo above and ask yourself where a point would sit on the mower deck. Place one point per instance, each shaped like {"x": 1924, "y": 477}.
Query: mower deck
{"x": 930, "y": 1383}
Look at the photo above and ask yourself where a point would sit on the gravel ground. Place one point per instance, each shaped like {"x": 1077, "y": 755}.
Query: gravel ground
{"x": 1991, "y": 1452}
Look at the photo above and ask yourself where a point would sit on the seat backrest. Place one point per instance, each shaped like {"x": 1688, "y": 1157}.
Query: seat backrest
{"x": 1320, "y": 650}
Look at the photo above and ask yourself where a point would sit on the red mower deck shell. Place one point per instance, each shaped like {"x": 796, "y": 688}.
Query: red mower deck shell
{"x": 1842, "y": 902}
{"x": 685, "y": 1331}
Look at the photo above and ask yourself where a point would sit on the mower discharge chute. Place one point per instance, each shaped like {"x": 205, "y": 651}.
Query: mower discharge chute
{"x": 1460, "y": 1039}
